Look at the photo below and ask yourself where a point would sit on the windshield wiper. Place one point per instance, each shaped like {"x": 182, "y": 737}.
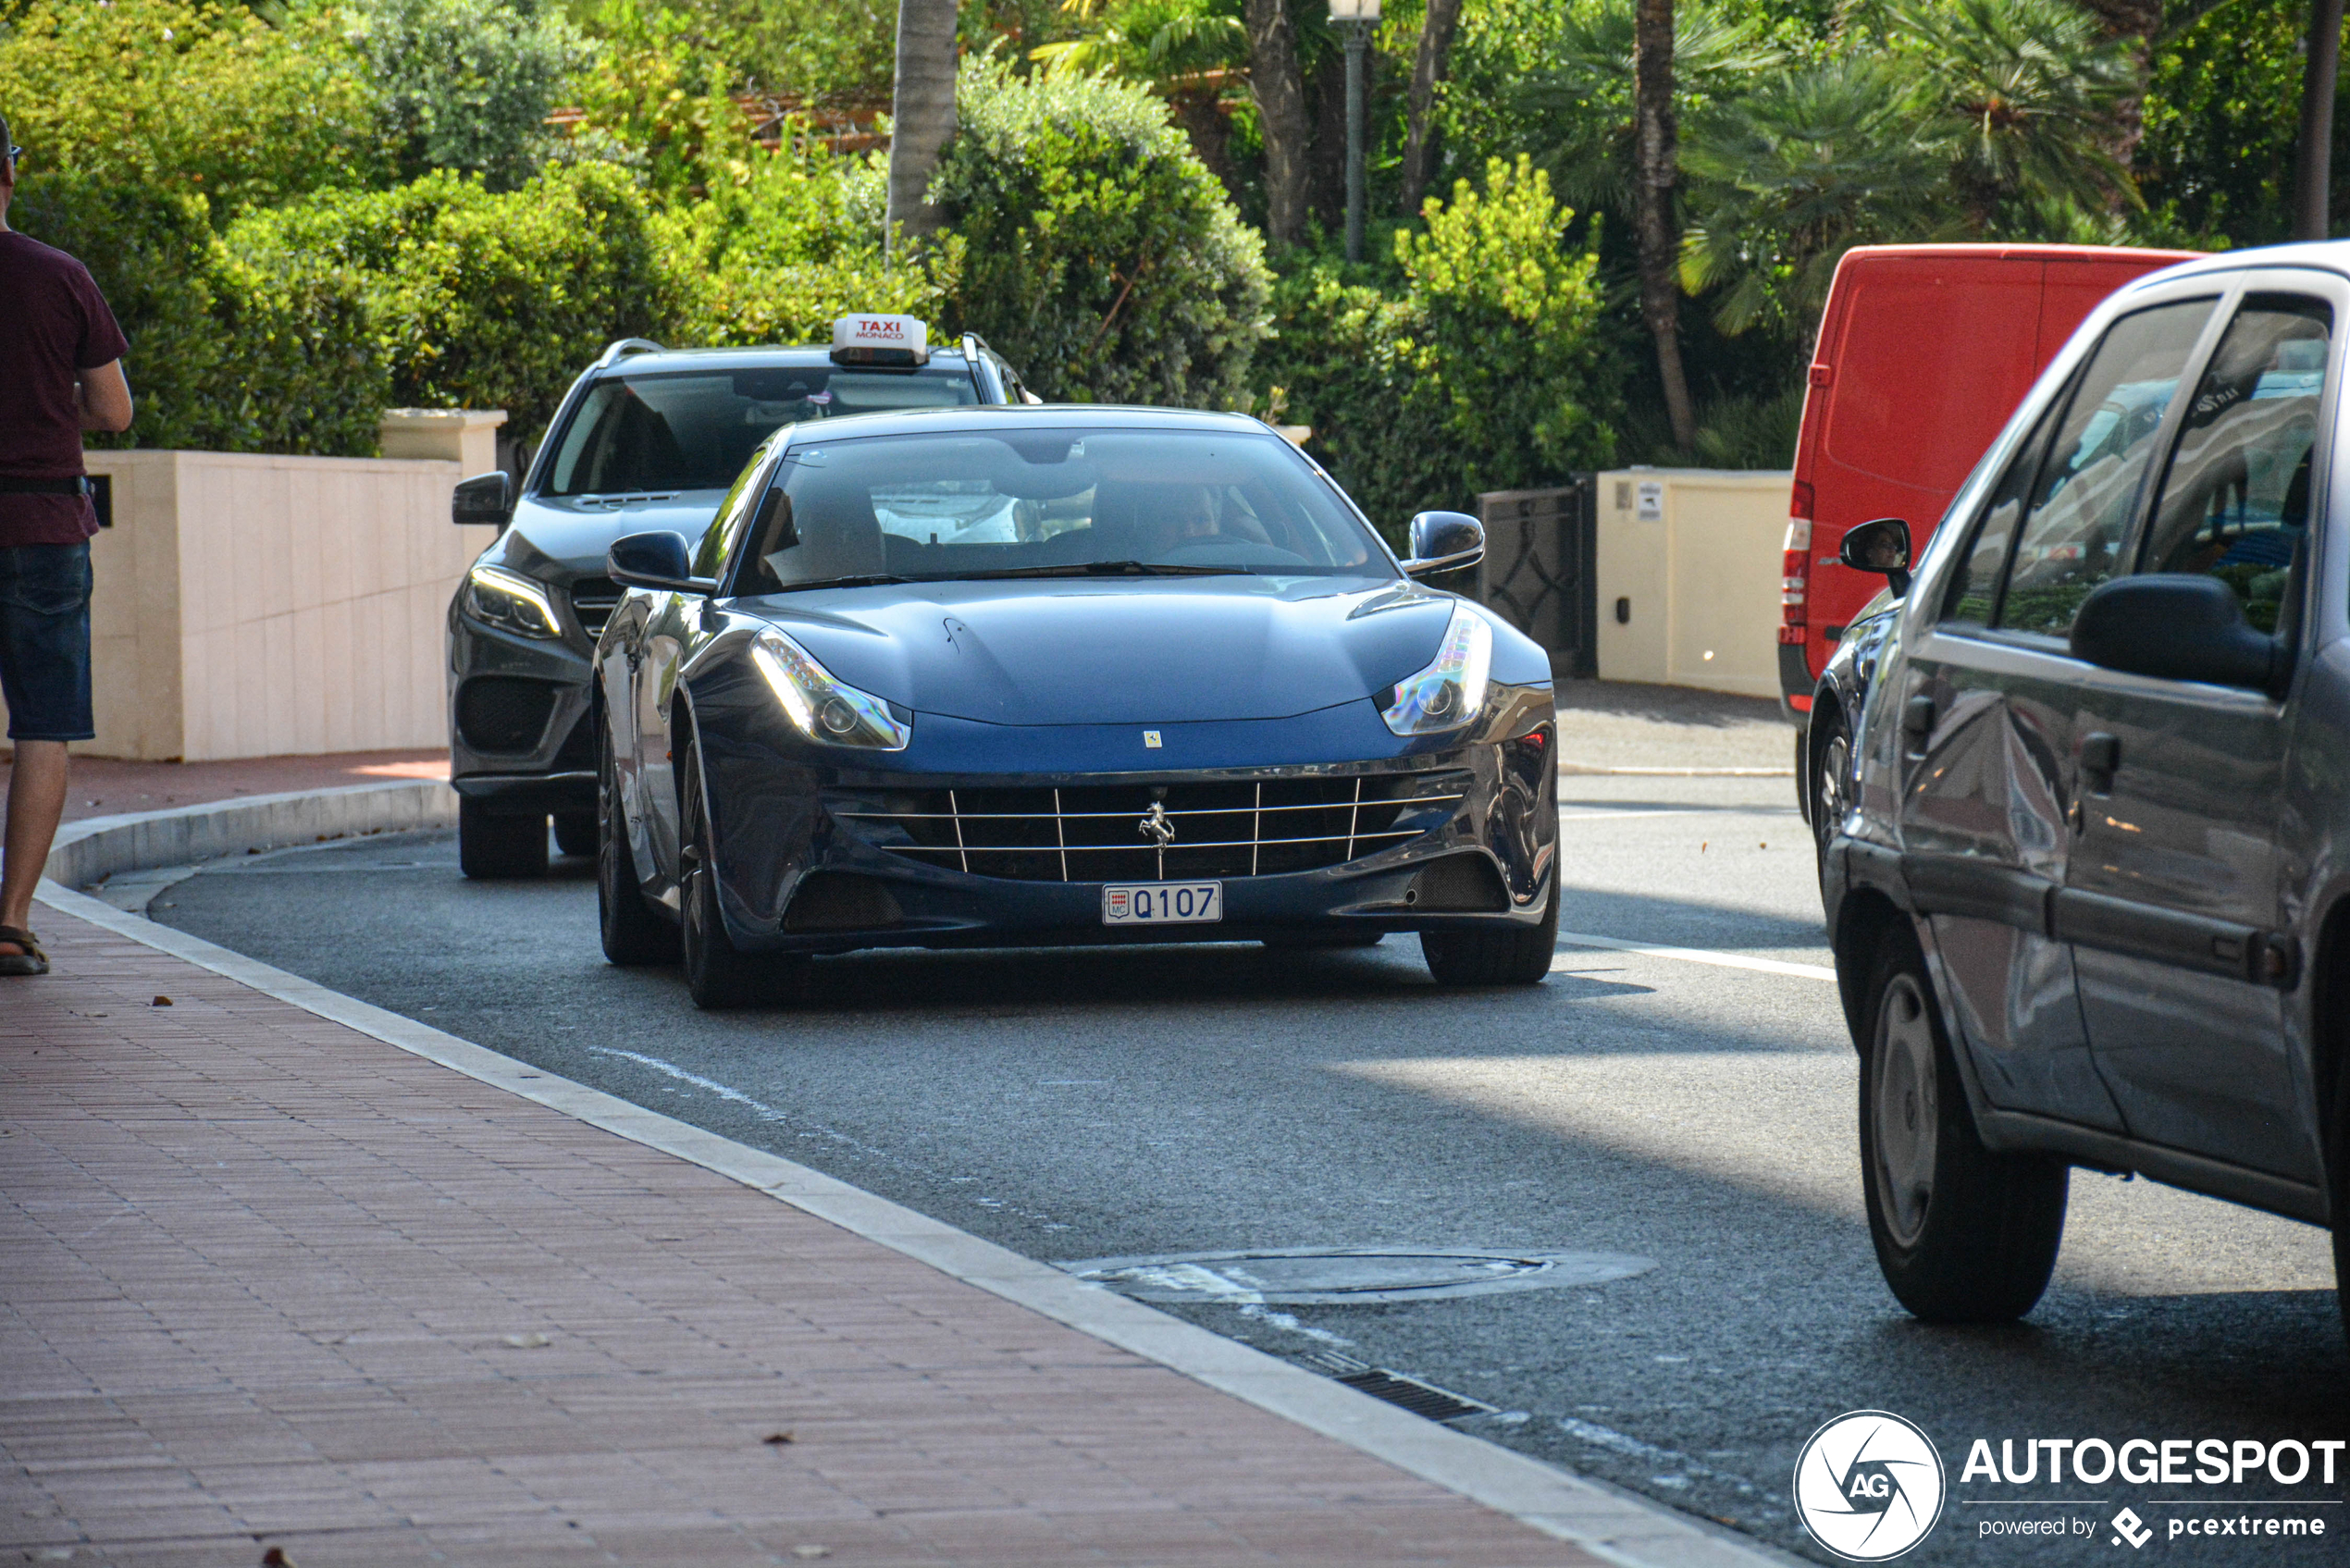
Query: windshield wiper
{"x": 1100, "y": 569}
{"x": 867, "y": 580}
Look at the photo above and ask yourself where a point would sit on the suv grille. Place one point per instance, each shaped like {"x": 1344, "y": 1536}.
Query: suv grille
{"x": 593, "y": 599}
{"x": 1103, "y": 833}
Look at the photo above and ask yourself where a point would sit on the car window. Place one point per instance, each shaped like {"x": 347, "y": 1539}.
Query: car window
{"x": 725, "y": 525}
{"x": 694, "y": 430}
{"x": 2236, "y": 501}
{"x": 964, "y": 505}
{"x": 2088, "y": 487}
{"x": 1975, "y": 586}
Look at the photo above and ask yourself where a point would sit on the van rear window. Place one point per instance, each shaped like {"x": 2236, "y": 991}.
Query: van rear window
{"x": 1931, "y": 365}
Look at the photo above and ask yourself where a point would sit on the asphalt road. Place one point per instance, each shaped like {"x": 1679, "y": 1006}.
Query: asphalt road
{"x": 1079, "y": 1105}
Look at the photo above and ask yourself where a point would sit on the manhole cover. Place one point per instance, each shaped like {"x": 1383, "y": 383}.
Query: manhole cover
{"x": 1336, "y": 1275}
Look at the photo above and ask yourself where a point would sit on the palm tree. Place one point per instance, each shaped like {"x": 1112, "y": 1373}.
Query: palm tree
{"x": 1794, "y": 172}
{"x": 922, "y": 114}
{"x": 2031, "y": 89}
{"x": 1427, "y": 69}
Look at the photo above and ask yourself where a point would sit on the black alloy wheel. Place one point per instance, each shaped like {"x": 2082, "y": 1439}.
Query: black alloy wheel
{"x": 634, "y": 931}
{"x": 492, "y": 848}
{"x": 575, "y": 832}
{"x": 1963, "y": 1235}
{"x": 1519, "y": 956}
{"x": 2338, "y": 1173}
{"x": 1829, "y": 770}
{"x": 719, "y": 974}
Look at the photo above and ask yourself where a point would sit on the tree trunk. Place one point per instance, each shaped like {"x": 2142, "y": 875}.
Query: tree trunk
{"x": 921, "y": 112}
{"x": 1280, "y": 108}
{"x": 1656, "y": 157}
{"x": 1427, "y": 69}
{"x": 2313, "y": 160}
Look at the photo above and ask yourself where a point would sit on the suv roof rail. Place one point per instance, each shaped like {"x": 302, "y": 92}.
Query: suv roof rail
{"x": 629, "y": 346}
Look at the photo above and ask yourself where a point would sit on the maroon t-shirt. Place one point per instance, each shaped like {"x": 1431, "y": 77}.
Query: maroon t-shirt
{"x": 54, "y": 326}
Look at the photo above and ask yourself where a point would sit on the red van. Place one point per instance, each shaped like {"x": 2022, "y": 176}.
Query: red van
{"x": 1923, "y": 352}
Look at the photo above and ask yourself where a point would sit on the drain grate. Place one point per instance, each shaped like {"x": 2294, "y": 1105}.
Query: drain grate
{"x": 1420, "y": 1397}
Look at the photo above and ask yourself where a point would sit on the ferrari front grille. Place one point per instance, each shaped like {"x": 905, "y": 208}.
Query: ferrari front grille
{"x": 1115, "y": 833}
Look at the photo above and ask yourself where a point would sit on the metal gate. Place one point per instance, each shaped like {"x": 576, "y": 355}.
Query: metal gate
{"x": 1541, "y": 568}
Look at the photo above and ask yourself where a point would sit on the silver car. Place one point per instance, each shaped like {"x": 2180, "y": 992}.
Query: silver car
{"x": 2088, "y": 877}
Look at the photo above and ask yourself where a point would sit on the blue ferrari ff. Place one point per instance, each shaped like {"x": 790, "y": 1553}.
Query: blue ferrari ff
{"x": 996, "y": 676}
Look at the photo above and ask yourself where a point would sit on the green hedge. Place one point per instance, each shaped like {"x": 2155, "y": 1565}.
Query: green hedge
{"x": 228, "y": 352}
{"x": 1100, "y": 255}
{"x": 1488, "y": 369}
{"x": 478, "y": 300}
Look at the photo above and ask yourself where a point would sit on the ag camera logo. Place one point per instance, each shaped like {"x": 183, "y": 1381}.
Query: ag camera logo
{"x": 1869, "y": 1486}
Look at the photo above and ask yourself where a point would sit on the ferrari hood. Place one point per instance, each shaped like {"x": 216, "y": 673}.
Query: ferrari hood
{"x": 1157, "y": 650}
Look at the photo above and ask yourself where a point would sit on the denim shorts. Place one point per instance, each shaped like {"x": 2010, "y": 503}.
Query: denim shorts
{"x": 44, "y": 641}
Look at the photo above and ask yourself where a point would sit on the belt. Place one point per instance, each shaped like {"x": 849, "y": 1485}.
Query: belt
{"x": 77, "y": 486}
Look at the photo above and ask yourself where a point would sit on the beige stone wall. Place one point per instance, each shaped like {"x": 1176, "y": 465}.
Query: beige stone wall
{"x": 260, "y": 606}
{"x": 1697, "y": 562}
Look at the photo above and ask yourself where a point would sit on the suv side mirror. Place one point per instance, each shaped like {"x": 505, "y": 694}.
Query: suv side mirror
{"x": 484, "y": 497}
{"x": 1443, "y": 541}
{"x": 1882, "y": 546}
{"x": 655, "y": 560}
{"x": 2177, "y": 626}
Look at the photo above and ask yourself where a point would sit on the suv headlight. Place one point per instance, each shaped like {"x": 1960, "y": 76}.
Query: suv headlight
{"x": 822, "y": 708}
{"x": 510, "y": 602}
{"x": 1450, "y": 691}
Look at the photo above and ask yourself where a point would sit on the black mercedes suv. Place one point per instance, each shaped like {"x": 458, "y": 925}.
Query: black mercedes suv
{"x": 647, "y": 437}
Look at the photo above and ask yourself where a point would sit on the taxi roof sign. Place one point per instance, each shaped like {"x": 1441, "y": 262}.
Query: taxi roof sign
{"x": 881, "y": 340}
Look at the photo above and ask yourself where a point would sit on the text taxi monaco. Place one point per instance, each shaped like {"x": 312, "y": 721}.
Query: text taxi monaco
{"x": 1042, "y": 675}
{"x": 2088, "y": 869}
{"x": 647, "y": 437}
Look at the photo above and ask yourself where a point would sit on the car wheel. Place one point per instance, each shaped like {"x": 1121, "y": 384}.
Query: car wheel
{"x": 1827, "y": 777}
{"x": 633, "y": 931}
{"x": 1520, "y": 956}
{"x": 2339, "y": 1175}
{"x": 575, "y": 832}
{"x": 1963, "y": 1235}
{"x": 719, "y": 974}
{"x": 492, "y": 847}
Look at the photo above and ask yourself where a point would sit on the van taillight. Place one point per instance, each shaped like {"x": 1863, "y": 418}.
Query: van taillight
{"x": 1795, "y": 566}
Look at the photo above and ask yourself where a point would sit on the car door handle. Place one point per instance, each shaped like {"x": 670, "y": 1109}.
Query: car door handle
{"x": 2100, "y": 759}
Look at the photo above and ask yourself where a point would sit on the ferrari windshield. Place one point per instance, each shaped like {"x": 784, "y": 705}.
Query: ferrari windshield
{"x": 1048, "y": 503}
{"x": 694, "y": 430}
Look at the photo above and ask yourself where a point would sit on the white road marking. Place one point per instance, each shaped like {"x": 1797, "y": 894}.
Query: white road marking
{"x": 1690, "y": 955}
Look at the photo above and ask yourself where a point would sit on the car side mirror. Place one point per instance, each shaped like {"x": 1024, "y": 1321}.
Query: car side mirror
{"x": 1883, "y": 547}
{"x": 484, "y": 497}
{"x": 655, "y": 560}
{"x": 1443, "y": 541}
{"x": 2176, "y": 626}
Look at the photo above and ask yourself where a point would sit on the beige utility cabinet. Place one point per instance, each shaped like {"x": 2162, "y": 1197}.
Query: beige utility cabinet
{"x": 1688, "y": 574}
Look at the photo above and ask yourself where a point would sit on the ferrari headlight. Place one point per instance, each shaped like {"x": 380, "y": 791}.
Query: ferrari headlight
{"x": 822, "y": 708}
{"x": 510, "y": 602}
{"x": 1450, "y": 691}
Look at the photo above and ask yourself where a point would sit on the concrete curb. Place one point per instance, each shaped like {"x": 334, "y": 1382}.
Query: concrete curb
{"x": 1614, "y": 1525}
{"x": 98, "y": 847}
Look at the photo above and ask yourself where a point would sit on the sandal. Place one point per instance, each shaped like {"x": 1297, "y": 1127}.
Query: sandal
{"x": 32, "y": 960}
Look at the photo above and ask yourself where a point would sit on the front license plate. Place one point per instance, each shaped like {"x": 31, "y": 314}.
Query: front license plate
{"x": 1162, "y": 903}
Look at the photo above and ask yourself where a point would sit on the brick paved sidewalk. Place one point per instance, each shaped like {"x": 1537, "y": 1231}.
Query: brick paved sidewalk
{"x": 266, "y": 1281}
{"x": 104, "y": 786}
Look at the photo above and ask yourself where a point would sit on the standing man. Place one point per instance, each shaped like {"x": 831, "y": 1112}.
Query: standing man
{"x": 60, "y": 374}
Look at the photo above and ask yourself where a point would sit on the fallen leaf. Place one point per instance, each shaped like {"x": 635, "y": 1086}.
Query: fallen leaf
{"x": 528, "y": 1342}
{"x": 276, "y": 1558}
{"x": 160, "y": 1002}
{"x": 777, "y": 1439}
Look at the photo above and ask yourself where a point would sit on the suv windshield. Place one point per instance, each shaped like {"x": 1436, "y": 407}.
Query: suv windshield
{"x": 1048, "y": 502}
{"x": 694, "y": 430}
